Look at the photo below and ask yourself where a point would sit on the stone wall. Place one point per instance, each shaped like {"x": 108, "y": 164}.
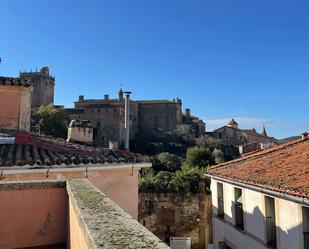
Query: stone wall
{"x": 158, "y": 118}
{"x": 177, "y": 215}
{"x": 43, "y": 87}
{"x": 149, "y": 119}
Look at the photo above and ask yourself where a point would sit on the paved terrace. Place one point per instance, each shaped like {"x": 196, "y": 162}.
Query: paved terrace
{"x": 38, "y": 212}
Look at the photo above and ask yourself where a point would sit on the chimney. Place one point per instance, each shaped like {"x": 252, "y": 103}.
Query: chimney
{"x": 81, "y": 98}
{"x": 304, "y": 135}
{"x": 80, "y": 131}
{"x": 127, "y": 121}
{"x": 113, "y": 145}
{"x": 106, "y": 97}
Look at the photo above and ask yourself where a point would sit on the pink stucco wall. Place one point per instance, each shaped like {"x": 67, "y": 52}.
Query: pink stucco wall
{"x": 77, "y": 238}
{"x": 33, "y": 217}
{"x": 119, "y": 184}
{"x": 9, "y": 110}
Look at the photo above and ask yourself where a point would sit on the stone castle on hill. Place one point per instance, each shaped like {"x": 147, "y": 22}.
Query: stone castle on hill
{"x": 150, "y": 119}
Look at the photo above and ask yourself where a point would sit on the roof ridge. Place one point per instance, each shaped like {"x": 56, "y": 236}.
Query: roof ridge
{"x": 261, "y": 152}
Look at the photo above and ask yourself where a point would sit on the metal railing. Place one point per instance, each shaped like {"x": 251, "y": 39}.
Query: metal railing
{"x": 239, "y": 216}
{"x": 271, "y": 232}
{"x": 306, "y": 240}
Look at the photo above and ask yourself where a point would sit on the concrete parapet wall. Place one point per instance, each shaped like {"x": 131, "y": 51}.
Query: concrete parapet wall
{"x": 99, "y": 223}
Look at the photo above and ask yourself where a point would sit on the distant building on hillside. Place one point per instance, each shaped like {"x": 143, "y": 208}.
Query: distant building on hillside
{"x": 241, "y": 141}
{"x": 231, "y": 134}
{"x": 261, "y": 201}
{"x": 151, "y": 119}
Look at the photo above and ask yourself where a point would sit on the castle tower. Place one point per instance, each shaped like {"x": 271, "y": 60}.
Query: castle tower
{"x": 43, "y": 87}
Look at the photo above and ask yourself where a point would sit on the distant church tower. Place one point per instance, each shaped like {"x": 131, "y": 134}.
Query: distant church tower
{"x": 232, "y": 124}
{"x": 43, "y": 87}
{"x": 264, "y": 131}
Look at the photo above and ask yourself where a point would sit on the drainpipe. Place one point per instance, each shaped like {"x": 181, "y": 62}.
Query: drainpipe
{"x": 127, "y": 121}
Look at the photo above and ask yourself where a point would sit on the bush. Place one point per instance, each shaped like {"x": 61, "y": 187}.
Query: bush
{"x": 185, "y": 180}
{"x": 200, "y": 157}
{"x": 218, "y": 155}
{"x": 166, "y": 162}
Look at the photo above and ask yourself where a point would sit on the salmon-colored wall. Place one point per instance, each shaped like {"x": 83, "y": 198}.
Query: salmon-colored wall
{"x": 9, "y": 109}
{"x": 33, "y": 217}
{"x": 77, "y": 236}
{"x": 118, "y": 184}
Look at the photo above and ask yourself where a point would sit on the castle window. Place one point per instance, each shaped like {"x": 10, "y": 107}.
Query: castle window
{"x": 220, "y": 135}
{"x": 227, "y": 137}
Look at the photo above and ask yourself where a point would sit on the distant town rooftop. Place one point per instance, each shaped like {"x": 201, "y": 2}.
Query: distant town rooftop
{"x": 283, "y": 168}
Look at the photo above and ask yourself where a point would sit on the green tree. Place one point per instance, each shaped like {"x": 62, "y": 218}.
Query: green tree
{"x": 200, "y": 157}
{"x": 166, "y": 162}
{"x": 49, "y": 120}
{"x": 188, "y": 178}
{"x": 218, "y": 155}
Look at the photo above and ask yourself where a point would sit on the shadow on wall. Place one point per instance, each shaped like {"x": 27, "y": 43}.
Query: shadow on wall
{"x": 264, "y": 227}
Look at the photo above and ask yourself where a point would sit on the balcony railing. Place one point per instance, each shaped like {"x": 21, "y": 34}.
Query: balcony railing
{"x": 239, "y": 215}
{"x": 220, "y": 207}
{"x": 271, "y": 232}
{"x": 306, "y": 240}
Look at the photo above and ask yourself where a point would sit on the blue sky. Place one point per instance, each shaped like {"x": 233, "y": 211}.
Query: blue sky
{"x": 243, "y": 59}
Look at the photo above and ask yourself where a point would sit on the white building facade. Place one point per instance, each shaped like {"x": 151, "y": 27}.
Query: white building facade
{"x": 244, "y": 218}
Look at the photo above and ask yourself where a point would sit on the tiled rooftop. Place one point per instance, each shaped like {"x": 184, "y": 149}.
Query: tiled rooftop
{"x": 284, "y": 168}
{"x": 45, "y": 151}
{"x": 10, "y": 81}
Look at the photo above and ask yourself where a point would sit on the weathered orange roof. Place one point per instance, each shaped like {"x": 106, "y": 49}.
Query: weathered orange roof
{"x": 283, "y": 168}
{"x": 10, "y": 81}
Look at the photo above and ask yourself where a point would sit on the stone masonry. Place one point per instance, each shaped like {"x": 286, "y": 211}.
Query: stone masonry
{"x": 151, "y": 119}
{"x": 43, "y": 86}
{"x": 177, "y": 215}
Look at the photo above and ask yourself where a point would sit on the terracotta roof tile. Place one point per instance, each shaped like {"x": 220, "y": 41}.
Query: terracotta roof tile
{"x": 11, "y": 81}
{"x": 284, "y": 168}
{"x": 44, "y": 152}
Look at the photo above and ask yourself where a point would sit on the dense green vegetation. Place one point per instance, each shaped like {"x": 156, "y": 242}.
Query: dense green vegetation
{"x": 171, "y": 173}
